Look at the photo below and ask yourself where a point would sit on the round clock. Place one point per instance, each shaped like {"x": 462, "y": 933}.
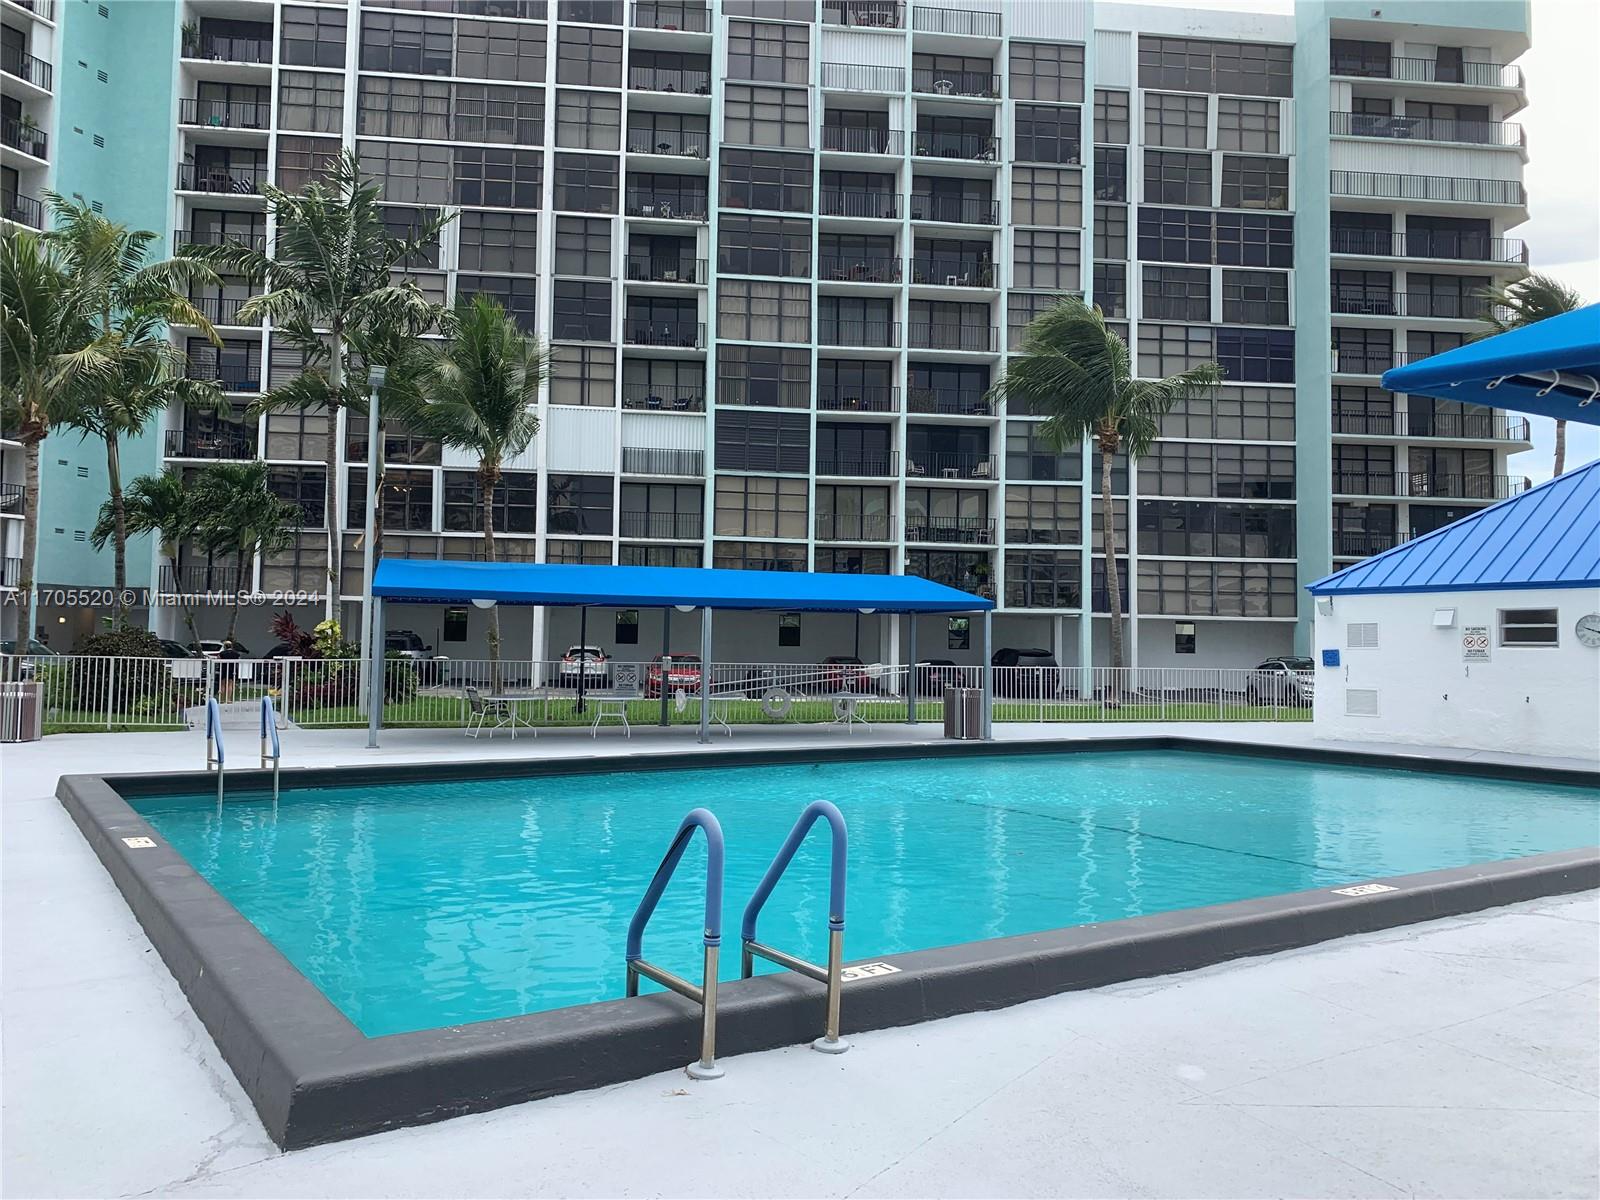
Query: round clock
{"x": 1588, "y": 630}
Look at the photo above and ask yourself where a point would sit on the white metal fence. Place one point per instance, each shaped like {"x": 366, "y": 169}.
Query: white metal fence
{"x": 88, "y": 693}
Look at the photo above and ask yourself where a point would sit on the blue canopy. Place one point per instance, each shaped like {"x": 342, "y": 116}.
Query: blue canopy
{"x": 1551, "y": 368}
{"x": 569, "y": 585}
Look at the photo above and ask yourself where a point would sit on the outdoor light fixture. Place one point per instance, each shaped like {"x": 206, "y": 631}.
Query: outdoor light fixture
{"x": 867, "y": 612}
{"x": 684, "y": 607}
{"x": 482, "y": 603}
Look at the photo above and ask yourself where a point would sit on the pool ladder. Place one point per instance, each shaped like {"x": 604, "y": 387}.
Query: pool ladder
{"x": 216, "y": 752}
{"x": 271, "y": 748}
{"x": 705, "y": 994}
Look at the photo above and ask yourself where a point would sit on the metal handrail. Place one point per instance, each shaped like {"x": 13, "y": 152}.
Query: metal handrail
{"x": 214, "y": 742}
{"x": 706, "y": 994}
{"x": 269, "y": 738}
{"x": 831, "y": 975}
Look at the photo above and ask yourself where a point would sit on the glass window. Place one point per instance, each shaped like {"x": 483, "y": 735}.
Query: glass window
{"x": 311, "y": 100}
{"x": 583, "y": 247}
{"x": 1110, "y": 173}
{"x": 1048, "y": 259}
{"x": 1254, "y": 182}
{"x": 1047, "y": 71}
{"x": 1046, "y": 197}
{"x": 499, "y": 241}
{"x": 1250, "y": 240}
{"x": 1175, "y": 121}
{"x": 589, "y": 56}
{"x": 1177, "y": 294}
{"x": 518, "y": 295}
{"x": 406, "y": 43}
{"x": 1255, "y": 298}
{"x": 1111, "y": 116}
{"x": 500, "y": 50}
{"x": 766, "y": 180}
{"x": 1043, "y": 579}
{"x": 303, "y": 159}
{"x": 313, "y": 37}
{"x": 770, "y": 376}
{"x": 1177, "y": 178}
{"x": 765, "y": 116}
{"x": 1256, "y": 355}
{"x": 1049, "y": 134}
{"x": 1032, "y": 455}
{"x": 583, "y": 375}
{"x": 759, "y": 556}
{"x": 1248, "y": 125}
{"x": 403, "y": 108}
{"x": 580, "y": 504}
{"x": 582, "y": 311}
{"x": 516, "y": 502}
{"x": 486, "y": 112}
{"x": 497, "y": 177}
{"x": 1111, "y": 288}
{"x": 1237, "y": 68}
{"x": 1051, "y": 515}
{"x": 751, "y": 310}
{"x": 1168, "y": 349}
{"x": 588, "y": 120}
{"x": 1174, "y": 235}
{"x": 769, "y": 53}
{"x": 1110, "y": 231}
{"x": 764, "y": 246}
{"x": 586, "y": 183}
{"x": 1529, "y": 627}
{"x": 752, "y": 506}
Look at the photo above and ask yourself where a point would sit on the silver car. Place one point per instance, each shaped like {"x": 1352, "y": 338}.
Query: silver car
{"x": 1287, "y": 681}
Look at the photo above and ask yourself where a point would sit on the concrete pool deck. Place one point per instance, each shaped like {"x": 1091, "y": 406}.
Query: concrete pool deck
{"x": 1313, "y": 1072}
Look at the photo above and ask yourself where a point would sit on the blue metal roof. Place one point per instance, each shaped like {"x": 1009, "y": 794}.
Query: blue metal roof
{"x": 1548, "y": 537}
{"x": 571, "y": 585}
{"x": 1496, "y": 371}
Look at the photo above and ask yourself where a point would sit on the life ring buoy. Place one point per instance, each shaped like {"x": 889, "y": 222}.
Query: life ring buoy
{"x": 776, "y": 703}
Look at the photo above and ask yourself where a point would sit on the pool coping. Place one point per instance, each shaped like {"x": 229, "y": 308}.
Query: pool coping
{"x": 313, "y": 1077}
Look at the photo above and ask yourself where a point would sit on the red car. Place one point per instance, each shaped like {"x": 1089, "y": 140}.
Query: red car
{"x": 684, "y": 675}
{"x": 847, "y": 673}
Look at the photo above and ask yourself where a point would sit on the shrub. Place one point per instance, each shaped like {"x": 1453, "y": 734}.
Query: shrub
{"x": 300, "y": 642}
{"x": 98, "y": 683}
{"x": 399, "y": 677}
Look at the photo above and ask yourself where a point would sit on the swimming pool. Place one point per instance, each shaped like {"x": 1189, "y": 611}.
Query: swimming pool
{"x": 416, "y": 905}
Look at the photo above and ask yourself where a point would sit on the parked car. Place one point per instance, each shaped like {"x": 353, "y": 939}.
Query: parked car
{"x": 1033, "y": 672}
{"x": 174, "y": 649}
{"x": 25, "y": 665}
{"x": 210, "y": 648}
{"x": 1287, "y": 680}
{"x": 586, "y": 662}
{"x": 405, "y": 642}
{"x": 936, "y": 674}
{"x": 847, "y": 673}
{"x": 684, "y": 673}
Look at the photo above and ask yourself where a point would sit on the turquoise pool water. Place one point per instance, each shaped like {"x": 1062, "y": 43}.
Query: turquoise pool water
{"x": 419, "y": 905}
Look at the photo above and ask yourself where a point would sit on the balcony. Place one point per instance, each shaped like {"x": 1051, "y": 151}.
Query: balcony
{"x": 954, "y": 402}
{"x": 1426, "y": 129}
{"x": 875, "y": 398}
{"x": 221, "y": 181}
{"x": 1354, "y": 361}
{"x": 863, "y": 77}
{"x": 851, "y": 140}
{"x": 857, "y": 202}
{"x": 960, "y": 531}
{"x": 26, "y": 67}
{"x": 944, "y": 465}
{"x": 850, "y": 269}
{"x": 1454, "y": 247}
{"x": 29, "y": 139}
{"x": 1428, "y": 70}
{"x": 681, "y": 335}
{"x": 954, "y": 210}
{"x": 665, "y": 206}
{"x": 219, "y": 237}
{"x": 230, "y": 377}
{"x": 1429, "y": 485}
{"x": 678, "y": 80}
{"x": 865, "y": 14}
{"x": 1480, "y": 427}
{"x": 953, "y": 271}
{"x": 877, "y": 334}
{"x": 1364, "y": 543}
{"x": 10, "y": 572}
{"x": 979, "y": 147}
{"x": 980, "y": 339}
{"x": 670, "y": 526}
{"x": 672, "y": 18}
{"x": 23, "y": 210}
{"x": 203, "y": 578}
{"x": 1379, "y": 185}
{"x": 1409, "y": 304}
{"x": 222, "y": 310}
{"x": 649, "y": 460}
{"x": 962, "y": 22}
{"x": 854, "y": 527}
{"x": 671, "y": 143}
{"x": 882, "y": 465}
{"x": 13, "y": 500}
{"x": 956, "y": 83}
{"x": 228, "y": 49}
{"x": 45, "y": 9}
{"x": 224, "y": 114}
{"x": 660, "y": 397}
{"x": 210, "y": 444}
{"x": 652, "y": 268}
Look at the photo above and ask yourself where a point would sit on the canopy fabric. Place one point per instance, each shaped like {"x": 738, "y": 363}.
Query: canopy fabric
{"x": 572, "y": 585}
{"x": 1551, "y": 368}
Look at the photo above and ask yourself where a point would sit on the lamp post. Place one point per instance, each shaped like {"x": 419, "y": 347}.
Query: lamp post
{"x": 371, "y": 639}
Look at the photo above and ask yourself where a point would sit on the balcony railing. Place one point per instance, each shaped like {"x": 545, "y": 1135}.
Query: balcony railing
{"x": 1483, "y": 427}
{"x": 40, "y": 8}
{"x": 223, "y": 578}
{"x": 675, "y": 526}
{"x": 669, "y": 206}
{"x": 952, "y": 271}
{"x": 670, "y": 79}
{"x": 13, "y": 500}
{"x": 24, "y": 210}
{"x": 1426, "y": 484}
{"x": 10, "y": 572}
{"x": 221, "y": 181}
{"x": 27, "y": 138}
{"x": 858, "y": 202}
{"x": 954, "y": 210}
{"x": 858, "y": 398}
{"x": 219, "y": 237}
{"x": 660, "y": 397}
{"x": 863, "y": 77}
{"x": 1429, "y": 70}
{"x": 882, "y": 465}
{"x": 673, "y": 143}
{"x": 1255, "y": 312}
{"x": 228, "y": 376}
{"x": 982, "y": 147}
{"x": 26, "y": 67}
{"x": 1426, "y": 129}
{"x": 658, "y": 14}
{"x": 854, "y": 527}
{"x": 1409, "y": 304}
{"x": 211, "y": 443}
{"x": 670, "y": 268}
{"x": 685, "y": 335}
{"x": 222, "y": 310}
{"x": 1381, "y": 185}
{"x": 950, "y": 401}
{"x": 1364, "y": 543}
{"x": 851, "y": 140}
{"x": 763, "y": 393}
{"x": 955, "y": 83}
{"x": 943, "y": 336}
{"x": 650, "y": 460}
{"x": 224, "y": 114}
{"x": 879, "y": 334}
{"x": 849, "y": 268}
{"x": 865, "y": 14}
{"x": 945, "y": 465}
{"x": 965, "y": 531}
{"x": 1455, "y": 247}
{"x": 961, "y": 21}
{"x": 228, "y": 49}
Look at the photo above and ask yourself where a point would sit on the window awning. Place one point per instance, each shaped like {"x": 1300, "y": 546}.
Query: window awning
{"x": 429, "y": 581}
{"x": 1551, "y": 368}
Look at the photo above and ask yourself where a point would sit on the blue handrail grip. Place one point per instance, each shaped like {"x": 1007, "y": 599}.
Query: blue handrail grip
{"x": 797, "y": 835}
{"x": 214, "y": 724}
{"x": 269, "y": 724}
{"x": 699, "y": 818}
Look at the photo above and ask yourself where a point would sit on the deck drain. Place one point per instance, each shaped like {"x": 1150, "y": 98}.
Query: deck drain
{"x": 1364, "y": 889}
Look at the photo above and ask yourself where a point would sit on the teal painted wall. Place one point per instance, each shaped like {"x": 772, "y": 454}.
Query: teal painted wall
{"x": 136, "y": 45}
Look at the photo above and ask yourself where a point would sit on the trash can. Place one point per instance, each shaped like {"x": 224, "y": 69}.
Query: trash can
{"x": 21, "y": 712}
{"x": 963, "y": 713}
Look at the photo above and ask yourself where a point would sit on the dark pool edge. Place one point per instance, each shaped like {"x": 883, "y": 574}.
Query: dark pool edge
{"x": 314, "y": 1078}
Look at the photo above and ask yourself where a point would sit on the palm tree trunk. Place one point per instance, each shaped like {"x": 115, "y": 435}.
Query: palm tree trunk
{"x": 30, "y": 545}
{"x": 1113, "y": 575}
{"x": 1561, "y": 447}
{"x": 331, "y": 487}
{"x": 488, "y": 477}
{"x": 119, "y": 516}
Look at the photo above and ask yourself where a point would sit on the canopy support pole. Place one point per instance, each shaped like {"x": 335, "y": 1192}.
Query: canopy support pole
{"x": 375, "y": 676}
{"x": 666, "y": 665}
{"x": 988, "y": 677}
{"x": 583, "y": 655}
{"x": 705, "y": 676}
{"x": 911, "y": 668}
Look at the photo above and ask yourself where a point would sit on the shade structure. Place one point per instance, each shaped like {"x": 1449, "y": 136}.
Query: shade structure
{"x": 430, "y": 581}
{"x": 1551, "y": 368}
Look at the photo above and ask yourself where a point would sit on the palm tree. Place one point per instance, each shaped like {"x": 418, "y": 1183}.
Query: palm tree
{"x": 238, "y": 514}
{"x": 329, "y": 270}
{"x": 162, "y": 505}
{"x": 1077, "y": 373}
{"x": 1528, "y": 300}
{"x": 478, "y": 393}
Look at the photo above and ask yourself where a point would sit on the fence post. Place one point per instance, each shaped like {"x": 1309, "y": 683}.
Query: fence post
{"x": 111, "y": 691}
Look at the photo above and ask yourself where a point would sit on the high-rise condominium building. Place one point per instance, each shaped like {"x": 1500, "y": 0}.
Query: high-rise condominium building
{"x": 781, "y": 249}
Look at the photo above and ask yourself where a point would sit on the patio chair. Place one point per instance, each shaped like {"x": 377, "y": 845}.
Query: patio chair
{"x": 491, "y": 713}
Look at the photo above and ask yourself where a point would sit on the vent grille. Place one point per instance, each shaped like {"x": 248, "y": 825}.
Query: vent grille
{"x": 1361, "y": 635}
{"x": 1360, "y": 702}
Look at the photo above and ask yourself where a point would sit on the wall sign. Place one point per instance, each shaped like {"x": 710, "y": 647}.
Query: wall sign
{"x": 1330, "y": 658}
{"x": 1474, "y": 643}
